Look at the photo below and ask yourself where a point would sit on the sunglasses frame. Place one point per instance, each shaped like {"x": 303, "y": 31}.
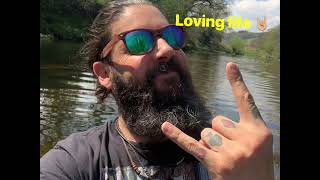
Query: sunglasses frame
{"x": 155, "y": 33}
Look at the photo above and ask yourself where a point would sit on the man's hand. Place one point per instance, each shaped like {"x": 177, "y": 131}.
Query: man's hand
{"x": 230, "y": 150}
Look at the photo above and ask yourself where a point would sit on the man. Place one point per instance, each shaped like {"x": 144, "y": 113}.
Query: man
{"x": 162, "y": 130}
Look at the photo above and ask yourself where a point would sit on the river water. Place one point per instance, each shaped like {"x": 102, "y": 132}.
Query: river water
{"x": 68, "y": 104}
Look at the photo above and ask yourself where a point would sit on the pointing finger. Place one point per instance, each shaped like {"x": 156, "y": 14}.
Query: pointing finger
{"x": 186, "y": 142}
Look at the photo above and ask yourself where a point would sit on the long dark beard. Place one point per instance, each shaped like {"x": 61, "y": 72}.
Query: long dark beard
{"x": 144, "y": 109}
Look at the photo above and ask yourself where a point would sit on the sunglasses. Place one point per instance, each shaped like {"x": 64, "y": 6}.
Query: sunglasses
{"x": 142, "y": 41}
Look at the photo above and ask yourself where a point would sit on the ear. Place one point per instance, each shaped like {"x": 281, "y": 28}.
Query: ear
{"x": 102, "y": 74}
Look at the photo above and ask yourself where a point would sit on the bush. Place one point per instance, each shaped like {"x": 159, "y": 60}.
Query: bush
{"x": 237, "y": 46}
{"x": 269, "y": 44}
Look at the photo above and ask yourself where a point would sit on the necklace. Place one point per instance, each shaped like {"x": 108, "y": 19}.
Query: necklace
{"x": 144, "y": 171}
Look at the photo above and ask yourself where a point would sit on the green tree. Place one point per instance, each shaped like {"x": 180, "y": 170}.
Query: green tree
{"x": 67, "y": 19}
{"x": 198, "y": 37}
{"x": 237, "y": 45}
{"x": 268, "y": 45}
{"x": 70, "y": 19}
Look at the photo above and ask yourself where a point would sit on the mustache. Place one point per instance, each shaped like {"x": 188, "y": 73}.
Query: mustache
{"x": 170, "y": 65}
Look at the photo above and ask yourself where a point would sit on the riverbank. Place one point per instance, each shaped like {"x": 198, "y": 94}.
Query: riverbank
{"x": 46, "y": 37}
{"x": 70, "y": 20}
{"x": 262, "y": 46}
{"x": 250, "y": 53}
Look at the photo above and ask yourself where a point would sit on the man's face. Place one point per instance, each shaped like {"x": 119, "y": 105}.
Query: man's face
{"x": 146, "y": 96}
{"x": 136, "y": 66}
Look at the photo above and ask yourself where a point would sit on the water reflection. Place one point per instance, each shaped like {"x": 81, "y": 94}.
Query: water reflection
{"x": 262, "y": 79}
{"x": 68, "y": 104}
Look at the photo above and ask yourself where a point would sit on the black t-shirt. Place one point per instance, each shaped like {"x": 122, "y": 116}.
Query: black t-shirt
{"x": 100, "y": 154}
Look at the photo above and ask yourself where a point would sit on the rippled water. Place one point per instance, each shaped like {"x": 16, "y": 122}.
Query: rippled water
{"x": 68, "y": 104}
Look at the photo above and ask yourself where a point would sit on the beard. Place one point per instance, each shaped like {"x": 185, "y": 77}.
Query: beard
{"x": 144, "y": 108}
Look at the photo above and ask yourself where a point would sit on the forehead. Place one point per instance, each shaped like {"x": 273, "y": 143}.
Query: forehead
{"x": 139, "y": 17}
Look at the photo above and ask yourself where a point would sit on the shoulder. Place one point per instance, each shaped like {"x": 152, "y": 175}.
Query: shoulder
{"x": 79, "y": 156}
{"x": 90, "y": 138}
{"x": 86, "y": 147}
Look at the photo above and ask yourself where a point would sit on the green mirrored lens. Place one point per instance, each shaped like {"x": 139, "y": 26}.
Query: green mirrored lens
{"x": 174, "y": 36}
{"x": 139, "y": 42}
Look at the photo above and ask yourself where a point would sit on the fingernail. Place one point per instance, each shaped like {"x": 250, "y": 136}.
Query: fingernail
{"x": 234, "y": 68}
{"x": 227, "y": 123}
{"x": 167, "y": 129}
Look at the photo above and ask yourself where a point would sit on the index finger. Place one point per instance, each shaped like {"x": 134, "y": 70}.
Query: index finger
{"x": 186, "y": 142}
{"x": 244, "y": 99}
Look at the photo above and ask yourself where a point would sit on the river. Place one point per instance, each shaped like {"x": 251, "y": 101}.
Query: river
{"x": 68, "y": 104}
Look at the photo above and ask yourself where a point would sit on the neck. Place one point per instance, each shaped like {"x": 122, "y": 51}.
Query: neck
{"x": 130, "y": 136}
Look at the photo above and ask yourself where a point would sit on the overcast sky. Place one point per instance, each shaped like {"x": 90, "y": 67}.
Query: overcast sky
{"x": 251, "y": 9}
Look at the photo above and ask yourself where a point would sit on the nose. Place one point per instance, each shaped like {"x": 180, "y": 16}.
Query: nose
{"x": 164, "y": 51}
